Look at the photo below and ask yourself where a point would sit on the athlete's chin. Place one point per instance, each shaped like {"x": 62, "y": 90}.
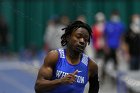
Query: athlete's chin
{"x": 80, "y": 50}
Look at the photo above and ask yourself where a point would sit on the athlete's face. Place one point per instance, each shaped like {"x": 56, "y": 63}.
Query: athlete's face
{"x": 78, "y": 39}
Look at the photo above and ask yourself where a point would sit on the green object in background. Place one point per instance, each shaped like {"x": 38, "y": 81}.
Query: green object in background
{"x": 27, "y": 18}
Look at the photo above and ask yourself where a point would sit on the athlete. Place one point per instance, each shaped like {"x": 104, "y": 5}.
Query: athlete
{"x": 67, "y": 70}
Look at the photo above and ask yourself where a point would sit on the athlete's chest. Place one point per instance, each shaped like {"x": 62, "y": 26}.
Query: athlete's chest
{"x": 64, "y": 68}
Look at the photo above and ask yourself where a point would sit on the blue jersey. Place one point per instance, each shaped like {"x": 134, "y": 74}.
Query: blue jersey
{"x": 63, "y": 68}
{"x": 113, "y": 33}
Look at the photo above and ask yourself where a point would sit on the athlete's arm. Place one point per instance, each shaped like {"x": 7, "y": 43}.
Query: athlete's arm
{"x": 45, "y": 73}
{"x": 44, "y": 80}
{"x": 93, "y": 77}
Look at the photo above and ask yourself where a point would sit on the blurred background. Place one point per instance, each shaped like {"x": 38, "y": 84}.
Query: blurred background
{"x": 29, "y": 29}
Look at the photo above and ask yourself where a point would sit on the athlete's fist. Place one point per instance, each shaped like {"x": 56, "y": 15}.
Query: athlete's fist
{"x": 70, "y": 78}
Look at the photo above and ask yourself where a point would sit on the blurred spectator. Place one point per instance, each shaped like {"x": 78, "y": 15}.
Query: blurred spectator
{"x": 54, "y": 32}
{"x": 82, "y": 18}
{"x": 3, "y": 35}
{"x": 132, "y": 39}
{"x": 64, "y": 20}
{"x": 114, "y": 30}
{"x": 97, "y": 33}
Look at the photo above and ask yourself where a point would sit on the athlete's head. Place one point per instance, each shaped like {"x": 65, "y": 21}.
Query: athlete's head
{"x": 77, "y": 35}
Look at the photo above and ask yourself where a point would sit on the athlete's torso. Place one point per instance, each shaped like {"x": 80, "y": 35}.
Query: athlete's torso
{"x": 63, "y": 68}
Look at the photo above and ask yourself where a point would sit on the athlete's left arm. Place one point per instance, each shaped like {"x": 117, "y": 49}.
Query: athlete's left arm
{"x": 93, "y": 77}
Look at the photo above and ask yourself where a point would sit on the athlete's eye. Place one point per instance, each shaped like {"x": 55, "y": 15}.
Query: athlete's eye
{"x": 78, "y": 36}
{"x": 86, "y": 39}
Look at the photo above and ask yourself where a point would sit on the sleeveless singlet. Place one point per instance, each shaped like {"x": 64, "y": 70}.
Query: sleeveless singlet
{"x": 63, "y": 68}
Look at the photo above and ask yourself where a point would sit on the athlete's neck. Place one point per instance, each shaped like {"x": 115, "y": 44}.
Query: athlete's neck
{"x": 72, "y": 56}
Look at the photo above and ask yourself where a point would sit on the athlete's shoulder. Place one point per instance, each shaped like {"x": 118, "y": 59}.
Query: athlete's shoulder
{"x": 91, "y": 61}
{"x": 51, "y": 58}
{"x": 53, "y": 53}
{"x": 93, "y": 67}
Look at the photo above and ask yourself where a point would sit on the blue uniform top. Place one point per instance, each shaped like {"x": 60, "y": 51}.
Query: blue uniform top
{"x": 113, "y": 33}
{"x": 63, "y": 68}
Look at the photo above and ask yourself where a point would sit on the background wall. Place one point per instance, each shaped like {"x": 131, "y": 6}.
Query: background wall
{"x": 27, "y": 18}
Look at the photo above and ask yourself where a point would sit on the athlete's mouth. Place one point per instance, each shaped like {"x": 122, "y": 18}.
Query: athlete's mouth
{"x": 80, "y": 48}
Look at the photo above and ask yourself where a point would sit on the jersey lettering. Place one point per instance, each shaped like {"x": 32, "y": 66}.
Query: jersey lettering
{"x": 61, "y": 74}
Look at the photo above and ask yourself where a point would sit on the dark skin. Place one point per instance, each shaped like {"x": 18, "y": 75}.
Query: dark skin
{"x": 77, "y": 42}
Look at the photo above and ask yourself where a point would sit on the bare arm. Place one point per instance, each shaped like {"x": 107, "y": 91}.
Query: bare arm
{"x": 93, "y": 77}
{"x": 45, "y": 73}
{"x": 44, "y": 80}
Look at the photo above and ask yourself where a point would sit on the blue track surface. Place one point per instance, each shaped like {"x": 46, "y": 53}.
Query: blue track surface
{"x": 16, "y": 81}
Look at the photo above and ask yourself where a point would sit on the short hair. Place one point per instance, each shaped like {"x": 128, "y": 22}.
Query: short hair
{"x": 72, "y": 27}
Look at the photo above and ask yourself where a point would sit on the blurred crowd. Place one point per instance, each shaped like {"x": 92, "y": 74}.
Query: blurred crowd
{"x": 111, "y": 39}
{"x": 3, "y": 35}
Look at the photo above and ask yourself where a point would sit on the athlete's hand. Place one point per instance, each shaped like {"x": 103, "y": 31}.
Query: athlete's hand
{"x": 70, "y": 78}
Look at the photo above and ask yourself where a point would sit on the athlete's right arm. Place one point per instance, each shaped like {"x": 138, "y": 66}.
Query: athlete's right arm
{"x": 44, "y": 80}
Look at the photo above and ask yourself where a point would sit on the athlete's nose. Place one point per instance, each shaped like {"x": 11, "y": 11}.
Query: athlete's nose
{"x": 82, "y": 41}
